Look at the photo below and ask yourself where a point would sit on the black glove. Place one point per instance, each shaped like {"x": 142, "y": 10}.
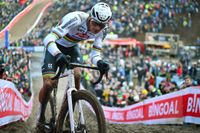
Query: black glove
{"x": 103, "y": 66}
{"x": 62, "y": 60}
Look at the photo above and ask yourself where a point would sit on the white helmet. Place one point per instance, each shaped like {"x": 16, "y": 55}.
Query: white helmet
{"x": 101, "y": 13}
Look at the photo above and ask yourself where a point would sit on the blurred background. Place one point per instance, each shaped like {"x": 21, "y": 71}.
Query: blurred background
{"x": 153, "y": 46}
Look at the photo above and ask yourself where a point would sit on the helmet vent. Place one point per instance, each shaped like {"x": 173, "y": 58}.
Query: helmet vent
{"x": 93, "y": 13}
{"x": 102, "y": 19}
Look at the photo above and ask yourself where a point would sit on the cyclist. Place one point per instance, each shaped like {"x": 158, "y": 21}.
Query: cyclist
{"x": 62, "y": 40}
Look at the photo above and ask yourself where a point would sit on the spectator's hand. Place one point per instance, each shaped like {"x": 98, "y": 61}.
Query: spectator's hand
{"x": 103, "y": 66}
{"x": 62, "y": 60}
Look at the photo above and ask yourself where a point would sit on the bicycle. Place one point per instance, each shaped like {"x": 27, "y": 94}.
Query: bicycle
{"x": 71, "y": 117}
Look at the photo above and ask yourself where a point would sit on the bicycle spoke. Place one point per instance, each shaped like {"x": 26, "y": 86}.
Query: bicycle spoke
{"x": 90, "y": 119}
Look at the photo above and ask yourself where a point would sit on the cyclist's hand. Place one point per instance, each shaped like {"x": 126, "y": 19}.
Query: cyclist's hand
{"x": 62, "y": 60}
{"x": 103, "y": 66}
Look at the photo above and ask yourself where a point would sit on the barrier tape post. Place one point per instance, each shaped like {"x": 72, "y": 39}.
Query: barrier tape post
{"x": 6, "y": 39}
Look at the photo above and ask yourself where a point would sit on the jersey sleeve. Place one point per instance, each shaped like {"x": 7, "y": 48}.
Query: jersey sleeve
{"x": 95, "y": 54}
{"x": 68, "y": 22}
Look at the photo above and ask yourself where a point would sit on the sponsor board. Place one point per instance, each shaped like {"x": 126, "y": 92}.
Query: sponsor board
{"x": 12, "y": 106}
{"x": 175, "y": 108}
{"x": 191, "y": 106}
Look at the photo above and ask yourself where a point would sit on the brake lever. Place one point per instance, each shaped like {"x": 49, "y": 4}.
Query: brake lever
{"x": 100, "y": 78}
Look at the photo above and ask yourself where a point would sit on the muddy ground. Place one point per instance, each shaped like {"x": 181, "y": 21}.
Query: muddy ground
{"x": 29, "y": 125}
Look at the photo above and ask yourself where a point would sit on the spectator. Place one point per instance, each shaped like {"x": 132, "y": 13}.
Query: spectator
{"x": 144, "y": 94}
{"x": 149, "y": 80}
{"x": 187, "y": 82}
{"x": 153, "y": 92}
{"x": 179, "y": 70}
{"x": 140, "y": 71}
{"x": 193, "y": 71}
{"x": 166, "y": 86}
{"x": 133, "y": 97}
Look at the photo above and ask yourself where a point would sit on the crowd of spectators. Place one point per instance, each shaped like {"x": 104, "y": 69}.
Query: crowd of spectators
{"x": 14, "y": 67}
{"x": 9, "y": 9}
{"x": 25, "y": 42}
{"x": 133, "y": 79}
{"x": 129, "y": 17}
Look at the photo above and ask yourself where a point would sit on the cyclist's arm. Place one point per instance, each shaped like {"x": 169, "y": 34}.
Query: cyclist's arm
{"x": 95, "y": 54}
{"x": 68, "y": 22}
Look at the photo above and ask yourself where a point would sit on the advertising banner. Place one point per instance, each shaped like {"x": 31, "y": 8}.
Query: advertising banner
{"x": 12, "y": 106}
{"x": 130, "y": 114}
{"x": 174, "y": 108}
{"x": 191, "y": 106}
{"x": 164, "y": 109}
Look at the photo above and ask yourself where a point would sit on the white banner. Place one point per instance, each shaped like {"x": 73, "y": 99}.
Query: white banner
{"x": 12, "y": 106}
{"x": 173, "y": 108}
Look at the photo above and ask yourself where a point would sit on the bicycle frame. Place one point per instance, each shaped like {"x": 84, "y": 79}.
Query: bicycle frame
{"x": 70, "y": 88}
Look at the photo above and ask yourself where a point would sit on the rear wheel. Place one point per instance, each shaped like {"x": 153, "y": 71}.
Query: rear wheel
{"x": 92, "y": 113}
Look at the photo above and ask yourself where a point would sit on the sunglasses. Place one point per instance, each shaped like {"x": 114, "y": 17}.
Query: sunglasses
{"x": 97, "y": 24}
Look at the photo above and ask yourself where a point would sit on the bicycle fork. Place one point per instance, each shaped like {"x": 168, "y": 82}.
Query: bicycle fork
{"x": 72, "y": 88}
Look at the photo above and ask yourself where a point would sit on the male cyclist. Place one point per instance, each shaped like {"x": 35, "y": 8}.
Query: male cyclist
{"x": 73, "y": 28}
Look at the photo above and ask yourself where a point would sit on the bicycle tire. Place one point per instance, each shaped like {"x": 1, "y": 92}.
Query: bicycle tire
{"x": 92, "y": 100}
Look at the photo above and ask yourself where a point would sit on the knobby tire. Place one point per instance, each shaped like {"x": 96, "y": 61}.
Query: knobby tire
{"x": 92, "y": 100}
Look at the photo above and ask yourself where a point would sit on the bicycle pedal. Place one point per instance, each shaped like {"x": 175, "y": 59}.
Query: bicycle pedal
{"x": 48, "y": 128}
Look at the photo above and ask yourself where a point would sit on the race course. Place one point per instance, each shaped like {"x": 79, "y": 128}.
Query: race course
{"x": 29, "y": 126}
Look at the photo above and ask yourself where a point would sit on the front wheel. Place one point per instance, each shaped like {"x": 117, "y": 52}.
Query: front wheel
{"x": 92, "y": 113}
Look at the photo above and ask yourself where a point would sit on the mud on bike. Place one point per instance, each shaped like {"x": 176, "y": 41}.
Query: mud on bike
{"x": 80, "y": 110}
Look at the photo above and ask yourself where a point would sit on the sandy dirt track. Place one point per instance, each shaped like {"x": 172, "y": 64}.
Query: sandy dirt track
{"x": 23, "y": 25}
{"x": 29, "y": 125}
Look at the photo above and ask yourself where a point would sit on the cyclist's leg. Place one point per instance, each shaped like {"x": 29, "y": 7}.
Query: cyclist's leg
{"x": 76, "y": 56}
{"x": 77, "y": 76}
{"x": 48, "y": 70}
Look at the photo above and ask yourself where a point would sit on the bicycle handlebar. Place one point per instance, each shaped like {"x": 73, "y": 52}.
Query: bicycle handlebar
{"x": 73, "y": 65}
